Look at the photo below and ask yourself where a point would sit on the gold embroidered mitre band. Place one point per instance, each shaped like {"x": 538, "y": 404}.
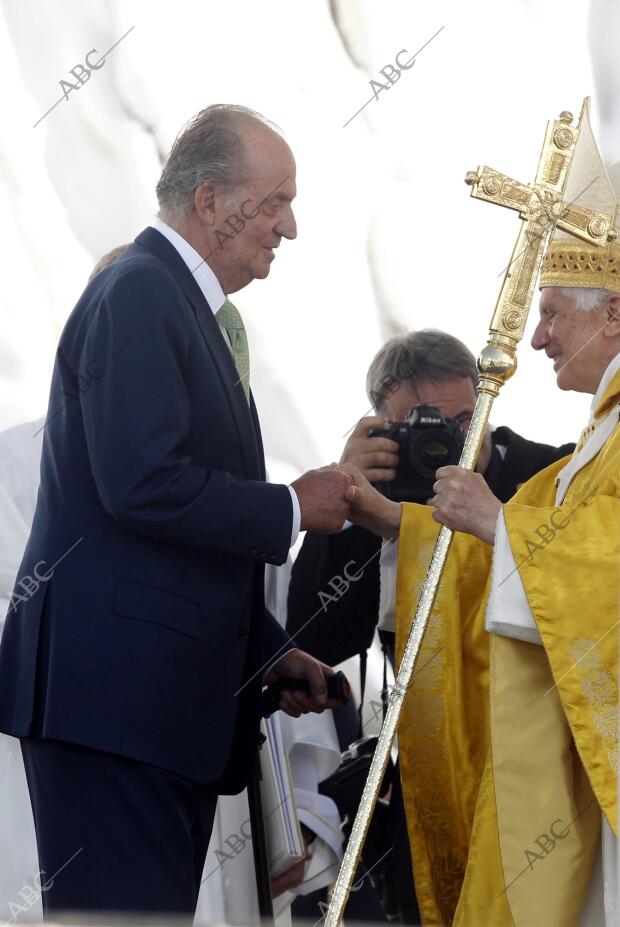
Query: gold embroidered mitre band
{"x": 568, "y": 261}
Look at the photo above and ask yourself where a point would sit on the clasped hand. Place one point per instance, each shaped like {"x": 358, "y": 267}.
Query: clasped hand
{"x": 330, "y": 495}
{"x": 462, "y": 502}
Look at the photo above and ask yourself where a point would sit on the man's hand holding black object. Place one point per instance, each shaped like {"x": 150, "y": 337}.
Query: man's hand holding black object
{"x": 321, "y": 495}
{"x": 297, "y": 664}
{"x": 376, "y": 458}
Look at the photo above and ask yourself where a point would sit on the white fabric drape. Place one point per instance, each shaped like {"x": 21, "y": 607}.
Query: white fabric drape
{"x": 20, "y": 455}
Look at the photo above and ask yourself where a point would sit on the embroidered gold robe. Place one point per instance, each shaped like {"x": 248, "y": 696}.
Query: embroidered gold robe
{"x": 509, "y": 748}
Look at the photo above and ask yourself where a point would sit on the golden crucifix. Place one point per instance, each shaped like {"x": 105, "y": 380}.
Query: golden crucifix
{"x": 541, "y": 209}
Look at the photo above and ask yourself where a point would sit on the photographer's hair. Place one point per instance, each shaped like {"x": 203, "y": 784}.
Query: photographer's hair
{"x": 586, "y": 298}
{"x": 429, "y": 354}
{"x": 208, "y": 148}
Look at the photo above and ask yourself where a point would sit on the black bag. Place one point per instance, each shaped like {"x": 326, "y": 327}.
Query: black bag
{"x": 345, "y": 787}
{"x": 346, "y": 784}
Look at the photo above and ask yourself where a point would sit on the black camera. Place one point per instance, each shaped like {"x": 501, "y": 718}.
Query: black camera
{"x": 426, "y": 441}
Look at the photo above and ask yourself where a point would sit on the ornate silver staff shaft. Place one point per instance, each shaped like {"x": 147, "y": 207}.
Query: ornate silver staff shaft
{"x": 541, "y": 210}
{"x": 403, "y": 680}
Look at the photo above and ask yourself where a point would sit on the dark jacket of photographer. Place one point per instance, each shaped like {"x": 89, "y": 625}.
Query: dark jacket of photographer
{"x": 334, "y": 618}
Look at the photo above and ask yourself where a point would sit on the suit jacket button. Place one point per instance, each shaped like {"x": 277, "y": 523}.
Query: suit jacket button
{"x": 243, "y": 634}
{"x": 253, "y": 550}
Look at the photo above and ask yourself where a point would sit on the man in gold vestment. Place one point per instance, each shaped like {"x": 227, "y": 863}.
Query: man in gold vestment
{"x": 509, "y": 733}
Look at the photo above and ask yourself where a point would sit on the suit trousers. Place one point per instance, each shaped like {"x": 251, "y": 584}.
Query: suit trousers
{"x": 114, "y": 834}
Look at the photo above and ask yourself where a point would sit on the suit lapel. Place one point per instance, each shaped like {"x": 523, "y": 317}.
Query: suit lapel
{"x": 244, "y": 416}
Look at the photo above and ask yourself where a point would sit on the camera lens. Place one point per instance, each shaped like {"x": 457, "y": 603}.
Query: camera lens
{"x": 433, "y": 452}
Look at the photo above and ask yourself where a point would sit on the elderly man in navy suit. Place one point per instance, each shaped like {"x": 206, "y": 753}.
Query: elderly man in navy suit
{"x": 137, "y": 640}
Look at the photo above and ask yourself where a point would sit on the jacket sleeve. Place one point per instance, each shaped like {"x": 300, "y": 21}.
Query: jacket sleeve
{"x": 137, "y": 419}
{"x": 277, "y": 641}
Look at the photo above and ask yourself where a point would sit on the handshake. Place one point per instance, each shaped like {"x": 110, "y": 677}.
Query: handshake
{"x": 330, "y": 496}
{"x": 334, "y": 494}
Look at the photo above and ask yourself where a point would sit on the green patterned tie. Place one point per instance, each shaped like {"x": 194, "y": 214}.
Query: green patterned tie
{"x": 229, "y": 317}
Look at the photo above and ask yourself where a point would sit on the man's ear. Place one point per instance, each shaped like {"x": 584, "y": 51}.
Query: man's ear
{"x": 613, "y": 316}
{"x": 204, "y": 201}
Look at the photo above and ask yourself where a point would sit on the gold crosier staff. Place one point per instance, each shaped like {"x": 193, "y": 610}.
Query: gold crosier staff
{"x": 541, "y": 210}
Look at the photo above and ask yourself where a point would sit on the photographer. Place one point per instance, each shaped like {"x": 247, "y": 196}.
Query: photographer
{"x": 427, "y": 368}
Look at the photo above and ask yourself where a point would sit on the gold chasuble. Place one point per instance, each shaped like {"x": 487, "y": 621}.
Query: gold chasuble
{"x": 443, "y": 731}
{"x": 504, "y": 805}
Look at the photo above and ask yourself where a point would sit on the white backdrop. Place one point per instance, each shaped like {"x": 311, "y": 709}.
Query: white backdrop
{"x": 388, "y": 236}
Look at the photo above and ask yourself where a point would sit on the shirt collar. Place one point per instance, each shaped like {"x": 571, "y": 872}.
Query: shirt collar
{"x": 202, "y": 273}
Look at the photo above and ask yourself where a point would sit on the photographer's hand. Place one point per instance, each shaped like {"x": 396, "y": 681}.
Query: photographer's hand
{"x": 375, "y": 458}
{"x": 369, "y": 508}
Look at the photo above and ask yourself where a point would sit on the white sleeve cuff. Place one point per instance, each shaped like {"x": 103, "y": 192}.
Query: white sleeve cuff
{"x": 388, "y": 569}
{"x": 508, "y": 611}
{"x": 296, "y": 516}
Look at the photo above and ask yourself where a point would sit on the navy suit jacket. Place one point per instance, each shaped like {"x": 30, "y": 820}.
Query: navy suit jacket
{"x": 139, "y": 609}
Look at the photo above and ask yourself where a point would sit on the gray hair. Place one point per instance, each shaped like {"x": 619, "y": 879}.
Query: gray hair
{"x": 429, "y": 354}
{"x": 585, "y": 297}
{"x": 107, "y": 259}
{"x": 208, "y": 148}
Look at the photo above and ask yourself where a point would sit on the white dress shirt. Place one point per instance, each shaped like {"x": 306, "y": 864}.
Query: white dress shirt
{"x": 215, "y": 297}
